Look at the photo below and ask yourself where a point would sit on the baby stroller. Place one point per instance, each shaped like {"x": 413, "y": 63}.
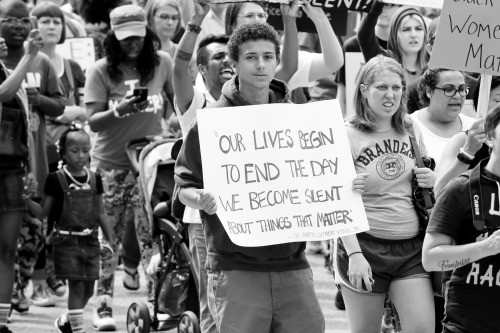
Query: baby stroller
{"x": 175, "y": 302}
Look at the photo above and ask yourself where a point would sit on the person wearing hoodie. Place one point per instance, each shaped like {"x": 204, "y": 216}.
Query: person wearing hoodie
{"x": 243, "y": 280}
{"x": 463, "y": 239}
{"x": 407, "y": 39}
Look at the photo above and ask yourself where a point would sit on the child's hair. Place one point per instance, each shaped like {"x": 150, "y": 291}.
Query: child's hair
{"x": 61, "y": 144}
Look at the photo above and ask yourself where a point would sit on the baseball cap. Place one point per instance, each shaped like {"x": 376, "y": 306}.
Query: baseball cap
{"x": 127, "y": 21}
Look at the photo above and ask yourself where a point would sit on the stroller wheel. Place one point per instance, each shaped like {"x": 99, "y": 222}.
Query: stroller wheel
{"x": 138, "y": 319}
{"x": 188, "y": 323}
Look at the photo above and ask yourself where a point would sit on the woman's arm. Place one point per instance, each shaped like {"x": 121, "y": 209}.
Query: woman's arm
{"x": 438, "y": 253}
{"x": 451, "y": 167}
{"x": 366, "y": 34}
{"x": 101, "y": 118}
{"x": 12, "y": 83}
{"x": 289, "y": 64}
{"x": 332, "y": 57}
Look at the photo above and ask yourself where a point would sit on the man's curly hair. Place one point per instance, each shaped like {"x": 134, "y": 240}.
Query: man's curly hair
{"x": 146, "y": 63}
{"x": 252, "y": 32}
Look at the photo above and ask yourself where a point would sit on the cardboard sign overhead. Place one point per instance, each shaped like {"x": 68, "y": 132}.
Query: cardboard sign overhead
{"x": 355, "y": 5}
{"x": 468, "y": 37}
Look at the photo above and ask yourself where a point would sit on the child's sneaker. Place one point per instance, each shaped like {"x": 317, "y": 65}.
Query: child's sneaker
{"x": 61, "y": 325}
{"x": 102, "y": 319}
{"x": 56, "y": 286}
{"x": 19, "y": 301}
{"x": 42, "y": 296}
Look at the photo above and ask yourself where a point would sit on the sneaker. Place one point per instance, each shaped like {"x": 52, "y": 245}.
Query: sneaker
{"x": 19, "y": 301}
{"x": 42, "y": 296}
{"x": 131, "y": 280}
{"x": 5, "y": 329}
{"x": 56, "y": 286}
{"x": 62, "y": 326}
{"x": 102, "y": 319}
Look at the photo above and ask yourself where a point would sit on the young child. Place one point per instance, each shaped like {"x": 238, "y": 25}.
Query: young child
{"x": 72, "y": 195}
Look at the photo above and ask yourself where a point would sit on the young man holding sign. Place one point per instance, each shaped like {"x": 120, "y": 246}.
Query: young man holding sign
{"x": 244, "y": 282}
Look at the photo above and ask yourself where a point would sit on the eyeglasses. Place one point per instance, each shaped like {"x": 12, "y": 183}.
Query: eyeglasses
{"x": 166, "y": 17}
{"x": 250, "y": 16}
{"x": 13, "y": 21}
{"x": 451, "y": 91}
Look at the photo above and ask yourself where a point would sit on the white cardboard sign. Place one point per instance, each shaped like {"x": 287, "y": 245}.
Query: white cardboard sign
{"x": 80, "y": 50}
{"x": 468, "y": 37}
{"x": 280, "y": 172}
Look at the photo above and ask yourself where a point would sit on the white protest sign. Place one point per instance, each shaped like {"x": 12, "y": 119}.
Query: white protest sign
{"x": 468, "y": 37}
{"x": 280, "y": 172}
{"x": 80, "y": 50}
{"x": 418, "y": 3}
{"x": 354, "y": 61}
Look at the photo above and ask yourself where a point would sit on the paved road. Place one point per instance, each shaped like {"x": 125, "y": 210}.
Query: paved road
{"x": 40, "y": 320}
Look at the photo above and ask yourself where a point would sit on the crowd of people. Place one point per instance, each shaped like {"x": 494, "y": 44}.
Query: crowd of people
{"x": 70, "y": 203}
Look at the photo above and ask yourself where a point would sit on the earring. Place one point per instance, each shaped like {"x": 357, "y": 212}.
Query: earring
{"x": 489, "y": 143}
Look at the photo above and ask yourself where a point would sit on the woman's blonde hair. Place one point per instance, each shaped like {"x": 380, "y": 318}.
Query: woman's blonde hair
{"x": 363, "y": 118}
{"x": 152, "y": 6}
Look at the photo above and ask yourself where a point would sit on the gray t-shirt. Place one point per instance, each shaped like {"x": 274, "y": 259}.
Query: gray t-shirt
{"x": 109, "y": 149}
{"x": 388, "y": 159}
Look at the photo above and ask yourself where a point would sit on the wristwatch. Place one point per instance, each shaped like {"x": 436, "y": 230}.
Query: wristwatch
{"x": 193, "y": 28}
{"x": 464, "y": 157}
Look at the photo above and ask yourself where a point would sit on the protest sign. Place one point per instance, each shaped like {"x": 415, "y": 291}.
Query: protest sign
{"x": 337, "y": 18}
{"x": 280, "y": 172}
{"x": 80, "y": 50}
{"x": 468, "y": 37}
{"x": 418, "y": 3}
{"x": 354, "y": 61}
{"x": 354, "y": 5}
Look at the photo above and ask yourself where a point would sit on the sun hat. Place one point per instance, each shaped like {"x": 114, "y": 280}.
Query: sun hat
{"x": 127, "y": 21}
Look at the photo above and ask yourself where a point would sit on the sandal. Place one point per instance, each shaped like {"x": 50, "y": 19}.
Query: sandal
{"x": 131, "y": 280}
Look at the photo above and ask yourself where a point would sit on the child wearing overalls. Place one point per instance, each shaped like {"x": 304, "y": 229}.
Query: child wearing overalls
{"x": 73, "y": 196}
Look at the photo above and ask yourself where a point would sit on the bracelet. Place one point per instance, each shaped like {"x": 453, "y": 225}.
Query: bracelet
{"x": 464, "y": 158}
{"x": 354, "y": 253}
{"x": 191, "y": 27}
{"x": 463, "y": 152}
{"x": 116, "y": 113}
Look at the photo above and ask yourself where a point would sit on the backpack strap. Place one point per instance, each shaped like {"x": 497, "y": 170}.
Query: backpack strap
{"x": 476, "y": 199}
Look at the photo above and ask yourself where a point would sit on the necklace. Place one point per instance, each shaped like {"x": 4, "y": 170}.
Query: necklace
{"x": 74, "y": 180}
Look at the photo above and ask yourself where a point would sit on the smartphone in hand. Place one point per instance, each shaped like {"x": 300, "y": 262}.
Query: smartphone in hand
{"x": 142, "y": 93}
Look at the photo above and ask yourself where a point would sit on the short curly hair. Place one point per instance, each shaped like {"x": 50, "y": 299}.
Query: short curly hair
{"x": 252, "y": 32}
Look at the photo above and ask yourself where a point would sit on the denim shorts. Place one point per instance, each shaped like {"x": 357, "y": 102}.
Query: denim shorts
{"x": 389, "y": 260}
{"x": 76, "y": 257}
{"x": 12, "y": 186}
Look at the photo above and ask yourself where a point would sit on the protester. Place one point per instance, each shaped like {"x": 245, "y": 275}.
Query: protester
{"x": 381, "y": 30}
{"x": 463, "y": 238}
{"x": 51, "y": 22}
{"x": 240, "y": 272}
{"x": 387, "y": 258}
{"x": 307, "y": 67}
{"x": 414, "y": 102}
{"x": 45, "y": 99}
{"x": 117, "y": 116}
{"x": 443, "y": 92}
{"x": 16, "y": 162}
{"x": 407, "y": 39}
{"x": 74, "y": 196}
{"x": 165, "y": 19}
{"x": 466, "y": 149}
